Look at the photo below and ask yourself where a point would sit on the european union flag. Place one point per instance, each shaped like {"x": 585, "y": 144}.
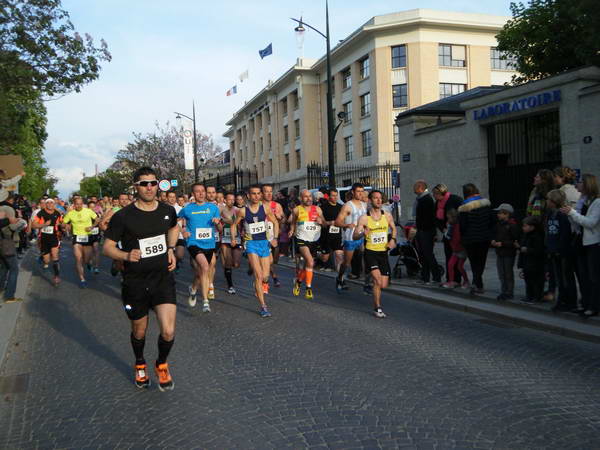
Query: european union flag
{"x": 266, "y": 52}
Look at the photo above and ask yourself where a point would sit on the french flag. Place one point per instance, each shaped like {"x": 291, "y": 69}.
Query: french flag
{"x": 232, "y": 91}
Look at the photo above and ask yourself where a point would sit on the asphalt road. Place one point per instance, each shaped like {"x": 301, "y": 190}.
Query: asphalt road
{"x": 320, "y": 374}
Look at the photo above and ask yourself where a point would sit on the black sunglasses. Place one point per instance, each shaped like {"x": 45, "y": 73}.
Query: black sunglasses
{"x": 147, "y": 183}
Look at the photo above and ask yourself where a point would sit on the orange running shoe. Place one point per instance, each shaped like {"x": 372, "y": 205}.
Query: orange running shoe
{"x": 265, "y": 288}
{"x": 165, "y": 382}
{"x": 142, "y": 380}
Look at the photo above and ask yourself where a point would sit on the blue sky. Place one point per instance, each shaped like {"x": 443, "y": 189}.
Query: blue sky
{"x": 167, "y": 53}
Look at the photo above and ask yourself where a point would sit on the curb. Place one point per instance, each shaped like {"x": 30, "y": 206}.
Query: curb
{"x": 514, "y": 314}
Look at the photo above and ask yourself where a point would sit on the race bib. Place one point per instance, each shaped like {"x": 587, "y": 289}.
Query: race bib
{"x": 334, "y": 230}
{"x": 378, "y": 237}
{"x": 257, "y": 227}
{"x": 203, "y": 233}
{"x": 226, "y": 239}
{"x": 95, "y": 231}
{"x": 153, "y": 246}
{"x": 48, "y": 230}
{"x": 270, "y": 231}
{"x": 310, "y": 227}
{"x": 82, "y": 239}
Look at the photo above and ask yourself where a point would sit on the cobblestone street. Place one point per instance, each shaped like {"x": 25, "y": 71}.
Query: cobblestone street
{"x": 319, "y": 374}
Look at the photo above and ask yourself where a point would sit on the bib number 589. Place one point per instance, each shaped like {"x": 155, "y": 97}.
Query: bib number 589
{"x": 154, "y": 250}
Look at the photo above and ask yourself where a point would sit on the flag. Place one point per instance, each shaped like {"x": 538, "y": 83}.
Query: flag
{"x": 266, "y": 52}
{"x": 232, "y": 91}
{"x": 187, "y": 132}
{"x": 244, "y": 76}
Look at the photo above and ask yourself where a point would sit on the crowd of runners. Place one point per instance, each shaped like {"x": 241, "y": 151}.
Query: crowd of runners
{"x": 146, "y": 236}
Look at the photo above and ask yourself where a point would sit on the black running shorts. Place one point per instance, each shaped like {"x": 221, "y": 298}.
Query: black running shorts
{"x": 312, "y": 246}
{"x": 47, "y": 243}
{"x": 377, "y": 260}
{"x": 141, "y": 294}
{"x": 207, "y": 252}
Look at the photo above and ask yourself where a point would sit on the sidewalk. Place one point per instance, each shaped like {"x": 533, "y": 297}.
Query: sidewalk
{"x": 538, "y": 316}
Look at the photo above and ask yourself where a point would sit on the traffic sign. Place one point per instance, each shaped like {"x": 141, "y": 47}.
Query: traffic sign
{"x": 164, "y": 185}
{"x": 174, "y": 183}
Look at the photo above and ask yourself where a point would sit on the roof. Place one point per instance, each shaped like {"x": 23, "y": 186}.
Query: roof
{"x": 450, "y": 106}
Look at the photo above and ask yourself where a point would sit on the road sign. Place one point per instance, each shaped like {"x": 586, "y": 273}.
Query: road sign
{"x": 324, "y": 173}
{"x": 174, "y": 183}
{"x": 406, "y": 157}
{"x": 164, "y": 185}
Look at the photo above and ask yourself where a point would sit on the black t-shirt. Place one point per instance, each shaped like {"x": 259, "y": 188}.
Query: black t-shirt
{"x": 330, "y": 212}
{"x": 55, "y": 220}
{"x": 144, "y": 230}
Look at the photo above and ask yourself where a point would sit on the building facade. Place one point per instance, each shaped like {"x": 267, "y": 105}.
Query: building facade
{"x": 499, "y": 138}
{"x": 390, "y": 64}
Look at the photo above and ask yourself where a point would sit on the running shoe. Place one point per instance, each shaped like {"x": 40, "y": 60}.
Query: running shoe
{"x": 205, "y": 307}
{"x": 345, "y": 286}
{"x": 379, "y": 313}
{"x": 265, "y": 288}
{"x": 192, "y": 297}
{"x": 89, "y": 267}
{"x": 264, "y": 312}
{"x": 368, "y": 289}
{"x": 96, "y": 270}
{"x": 13, "y": 300}
{"x": 276, "y": 282}
{"x": 309, "y": 293}
{"x": 165, "y": 382}
{"x": 82, "y": 284}
{"x": 231, "y": 290}
{"x": 297, "y": 286}
{"x": 211, "y": 293}
{"x": 339, "y": 287}
{"x": 46, "y": 266}
{"x": 142, "y": 380}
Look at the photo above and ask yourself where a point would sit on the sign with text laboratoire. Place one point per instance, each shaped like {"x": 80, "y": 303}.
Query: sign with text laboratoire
{"x": 521, "y": 104}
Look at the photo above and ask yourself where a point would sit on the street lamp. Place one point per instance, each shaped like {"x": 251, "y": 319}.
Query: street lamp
{"x": 193, "y": 119}
{"x": 331, "y": 128}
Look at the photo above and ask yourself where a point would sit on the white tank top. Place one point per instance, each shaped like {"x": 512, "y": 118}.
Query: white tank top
{"x": 353, "y": 218}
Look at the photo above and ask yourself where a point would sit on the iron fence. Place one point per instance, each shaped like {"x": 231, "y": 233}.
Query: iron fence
{"x": 233, "y": 181}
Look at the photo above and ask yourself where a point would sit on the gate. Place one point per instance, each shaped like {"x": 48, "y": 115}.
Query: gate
{"x": 517, "y": 150}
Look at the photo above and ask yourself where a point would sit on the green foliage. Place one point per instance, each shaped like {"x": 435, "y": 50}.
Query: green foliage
{"x": 110, "y": 183}
{"x": 551, "y": 36}
{"x": 40, "y": 48}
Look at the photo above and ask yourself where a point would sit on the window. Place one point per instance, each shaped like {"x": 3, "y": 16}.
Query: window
{"x": 365, "y": 104}
{"x": 367, "y": 142}
{"x": 348, "y": 111}
{"x": 452, "y": 55}
{"x": 268, "y": 116}
{"x": 262, "y": 145}
{"x": 298, "y": 159}
{"x": 295, "y": 98}
{"x": 349, "y": 147}
{"x": 262, "y": 170}
{"x": 259, "y": 122}
{"x": 346, "y": 79}
{"x": 450, "y": 89}
{"x": 270, "y": 167}
{"x": 398, "y": 56}
{"x": 502, "y": 60}
{"x": 287, "y": 163}
{"x": 297, "y": 128}
{"x": 365, "y": 68}
{"x": 284, "y": 106}
{"x": 270, "y": 141}
{"x": 399, "y": 96}
{"x": 396, "y": 138}
{"x": 286, "y": 134}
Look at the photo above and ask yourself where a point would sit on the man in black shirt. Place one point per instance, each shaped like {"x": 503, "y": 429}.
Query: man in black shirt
{"x": 148, "y": 232}
{"x": 331, "y": 238}
{"x": 426, "y": 230}
{"x": 48, "y": 221}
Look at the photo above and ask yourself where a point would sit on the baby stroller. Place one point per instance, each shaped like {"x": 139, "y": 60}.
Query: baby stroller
{"x": 408, "y": 255}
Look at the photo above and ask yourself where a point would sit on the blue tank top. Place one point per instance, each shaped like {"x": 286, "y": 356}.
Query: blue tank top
{"x": 255, "y": 224}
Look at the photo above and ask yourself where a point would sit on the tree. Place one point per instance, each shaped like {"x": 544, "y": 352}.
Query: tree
{"x": 40, "y": 48}
{"x": 548, "y": 37}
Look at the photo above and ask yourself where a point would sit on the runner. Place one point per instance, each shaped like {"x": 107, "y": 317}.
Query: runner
{"x": 240, "y": 200}
{"x": 220, "y": 199}
{"x": 254, "y": 216}
{"x": 347, "y": 220}
{"x": 80, "y": 221}
{"x": 211, "y": 197}
{"x": 180, "y": 248}
{"x": 230, "y": 256}
{"x": 277, "y": 212}
{"x": 374, "y": 227}
{"x": 48, "y": 221}
{"x": 123, "y": 200}
{"x": 148, "y": 231}
{"x": 331, "y": 239}
{"x": 307, "y": 220}
{"x": 95, "y": 241}
{"x": 202, "y": 221}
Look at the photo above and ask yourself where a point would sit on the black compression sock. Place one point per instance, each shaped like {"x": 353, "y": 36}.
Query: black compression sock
{"x": 164, "y": 347}
{"x": 138, "y": 349}
{"x": 228, "y": 277}
{"x": 56, "y": 268}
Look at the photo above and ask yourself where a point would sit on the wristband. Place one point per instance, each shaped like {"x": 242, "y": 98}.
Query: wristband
{"x": 171, "y": 248}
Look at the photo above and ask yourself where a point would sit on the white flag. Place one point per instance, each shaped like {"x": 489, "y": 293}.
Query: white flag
{"x": 187, "y": 132}
{"x": 244, "y": 76}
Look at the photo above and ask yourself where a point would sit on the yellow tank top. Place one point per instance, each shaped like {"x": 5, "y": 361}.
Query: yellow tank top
{"x": 376, "y": 236}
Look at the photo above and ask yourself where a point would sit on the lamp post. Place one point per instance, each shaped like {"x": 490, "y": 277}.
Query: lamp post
{"x": 193, "y": 119}
{"x": 331, "y": 128}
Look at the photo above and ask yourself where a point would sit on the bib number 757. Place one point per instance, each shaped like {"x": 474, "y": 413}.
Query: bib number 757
{"x": 153, "y": 246}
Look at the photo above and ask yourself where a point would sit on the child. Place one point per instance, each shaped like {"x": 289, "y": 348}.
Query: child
{"x": 558, "y": 245}
{"x": 459, "y": 255}
{"x": 531, "y": 259}
{"x": 505, "y": 236}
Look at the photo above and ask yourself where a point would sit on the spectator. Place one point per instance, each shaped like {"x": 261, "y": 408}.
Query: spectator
{"x": 531, "y": 259}
{"x": 9, "y": 239}
{"x": 424, "y": 212}
{"x": 459, "y": 256}
{"x": 444, "y": 202}
{"x": 564, "y": 179}
{"x": 543, "y": 182}
{"x": 558, "y": 248}
{"x": 477, "y": 223}
{"x": 505, "y": 236}
{"x": 589, "y": 220}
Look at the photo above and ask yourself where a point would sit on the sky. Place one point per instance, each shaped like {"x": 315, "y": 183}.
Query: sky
{"x": 167, "y": 54}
